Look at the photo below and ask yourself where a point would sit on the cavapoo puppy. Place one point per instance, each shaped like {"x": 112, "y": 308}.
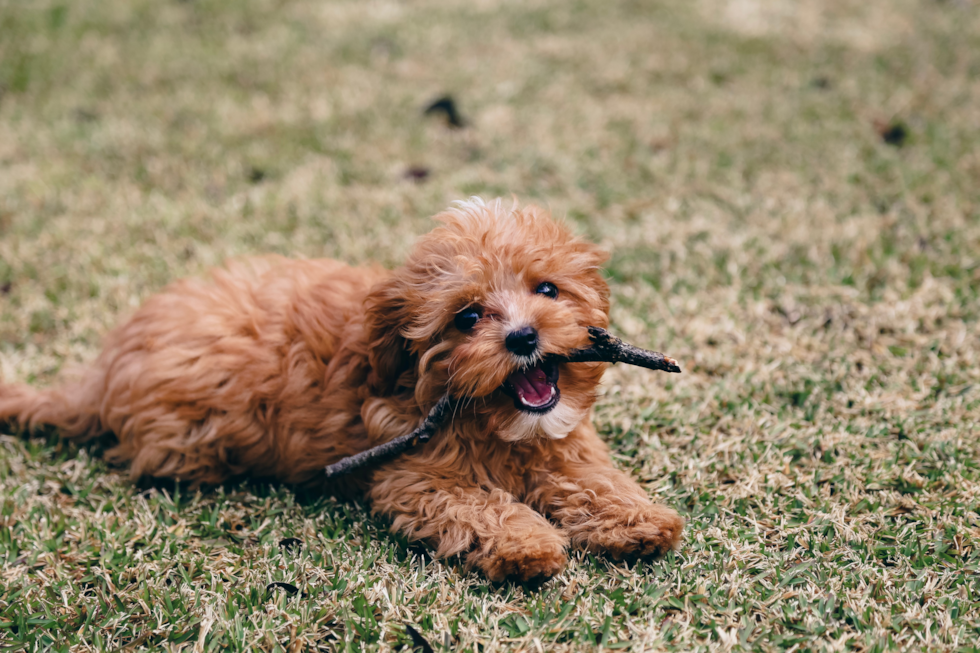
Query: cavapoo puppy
{"x": 277, "y": 368}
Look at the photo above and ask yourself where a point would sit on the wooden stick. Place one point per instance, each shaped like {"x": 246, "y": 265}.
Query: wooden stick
{"x": 399, "y": 445}
{"x": 605, "y": 348}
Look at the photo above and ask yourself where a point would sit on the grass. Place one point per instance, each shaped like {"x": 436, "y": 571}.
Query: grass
{"x": 818, "y": 284}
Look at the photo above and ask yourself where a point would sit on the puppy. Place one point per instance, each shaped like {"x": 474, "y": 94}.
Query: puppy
{"x": 277, "y": 368}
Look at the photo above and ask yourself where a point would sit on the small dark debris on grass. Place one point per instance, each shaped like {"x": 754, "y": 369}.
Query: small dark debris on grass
{"x": 791, "y": 315}
{"x": 418, "y": 174}
{"x": 446, "y": 107}
{"x": 255, "y": 175}
{"x": 84, "y": 115}
{"x": 828, "y": 319}
{"x": 821, "y": 82}
{"x": 894, "y": 133}
{"x": 662, "y": 143}
{"x": 5, "y": 288}
{"x": 418, "y": 642}
{"x": 290, "y": 543}
{"x": 289, "y": 587}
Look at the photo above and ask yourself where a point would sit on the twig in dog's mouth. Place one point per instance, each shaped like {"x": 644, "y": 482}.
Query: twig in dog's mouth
{"x": 528, "y": 388}
{"x": 607, "y": 348}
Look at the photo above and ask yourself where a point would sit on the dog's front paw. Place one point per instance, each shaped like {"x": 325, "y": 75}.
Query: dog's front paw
{"x": 532, "y": 556}
{"x": 651, "y": 530}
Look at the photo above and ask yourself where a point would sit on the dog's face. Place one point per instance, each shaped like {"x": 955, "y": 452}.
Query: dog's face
{"x": 482, "y": 304}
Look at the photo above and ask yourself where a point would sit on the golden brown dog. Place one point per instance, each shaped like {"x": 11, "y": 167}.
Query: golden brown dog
{"x": 277, "y": 368}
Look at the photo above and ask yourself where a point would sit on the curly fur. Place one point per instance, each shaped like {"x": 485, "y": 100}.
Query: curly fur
{"x": 277, "y": 367}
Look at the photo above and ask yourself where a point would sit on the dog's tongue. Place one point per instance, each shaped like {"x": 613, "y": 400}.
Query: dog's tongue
{"x": 532, "y": 386}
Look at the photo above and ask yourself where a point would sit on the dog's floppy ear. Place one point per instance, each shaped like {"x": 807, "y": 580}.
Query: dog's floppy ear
{"x": 386, "y": 315}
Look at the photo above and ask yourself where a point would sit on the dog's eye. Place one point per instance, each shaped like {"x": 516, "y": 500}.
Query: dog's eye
{"x": 467, "y": 318}
{"x": 547, "y": 289}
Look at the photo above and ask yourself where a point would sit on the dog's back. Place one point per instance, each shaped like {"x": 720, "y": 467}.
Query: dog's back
{"x": 210, "y": 379}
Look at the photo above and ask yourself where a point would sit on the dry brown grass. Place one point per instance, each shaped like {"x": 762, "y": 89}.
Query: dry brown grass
{"x": 818, "y": 285}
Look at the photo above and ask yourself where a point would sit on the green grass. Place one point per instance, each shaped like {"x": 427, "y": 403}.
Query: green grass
{"x": 818, "y": 285}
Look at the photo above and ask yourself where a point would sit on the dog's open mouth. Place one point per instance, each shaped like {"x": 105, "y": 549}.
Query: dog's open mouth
{"x": 534, "y": 389}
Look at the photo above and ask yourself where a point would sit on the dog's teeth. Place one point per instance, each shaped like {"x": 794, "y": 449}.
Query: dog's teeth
{"x": 551, "y": 395}
{"x": 533, "y": 389}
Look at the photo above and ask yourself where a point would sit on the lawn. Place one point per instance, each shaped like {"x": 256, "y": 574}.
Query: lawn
{"x": 790, "y": 192}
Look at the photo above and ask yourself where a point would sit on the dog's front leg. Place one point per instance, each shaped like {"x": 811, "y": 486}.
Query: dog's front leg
{"x": 499, "y": 535}
{"x": 602, "y": 509}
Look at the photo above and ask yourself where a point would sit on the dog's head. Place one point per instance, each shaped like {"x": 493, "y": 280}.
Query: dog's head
{"x": 479, "y": 309}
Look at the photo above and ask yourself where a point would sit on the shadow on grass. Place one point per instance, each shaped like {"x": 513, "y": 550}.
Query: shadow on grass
{"x": 349, "y": 518}
{"x": 349, "y": 515}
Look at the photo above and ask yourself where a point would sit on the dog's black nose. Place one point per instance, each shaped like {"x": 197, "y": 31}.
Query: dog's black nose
{"x": 523, "y": 341}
